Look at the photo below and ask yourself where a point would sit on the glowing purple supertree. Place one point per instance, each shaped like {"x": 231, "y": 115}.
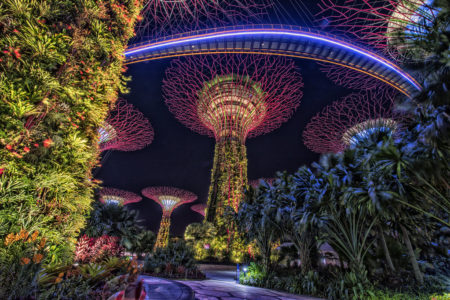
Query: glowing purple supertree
{"x": 168, "y": 198}
{"x": 118, "y": 197}
{"x": 389, "y": 25}
{"x": 199, "y": 208}
{"x": 174, "y": 16}
{"x": 231, "y": 98}
{"x": 350, "y": 120}
{"x": 125, "y": 129}
{"x": 257, "y": 182}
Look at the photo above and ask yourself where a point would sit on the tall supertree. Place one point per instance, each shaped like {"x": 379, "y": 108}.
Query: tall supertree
{"x": 350, "y": 120}
{"x": 389, "y": 25}
{"x": 231, "y": 98}
{"x": 169, "y": 198}
{"x": 125, "y": 129}
{"x": 173, "y": 16}
{"x": 199, "y": 208}
{"x": 118, "y": 197}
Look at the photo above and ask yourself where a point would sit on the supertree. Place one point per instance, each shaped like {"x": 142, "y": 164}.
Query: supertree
{"x": 173, "y": 16}
{"x": 118, "y": 197}
{"x": 256, "y": 182}
{"x": 231, "y": 98}
{"x": 199, "y": 208}
{"x": 351, "y": 120}
{"x": 389, "y": 25}
{"x": 125, "y": 129}
{"x": 169, "y": 198}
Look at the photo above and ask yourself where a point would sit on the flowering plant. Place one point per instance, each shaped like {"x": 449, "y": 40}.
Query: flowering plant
{"x": 21, "y": 256}
{"x": 96, "y": 249}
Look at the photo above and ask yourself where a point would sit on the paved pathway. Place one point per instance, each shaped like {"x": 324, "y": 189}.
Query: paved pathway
{"x": 162, "y": 289}
{"x": 220, "y": 290}
{"x": 222, "y": 286}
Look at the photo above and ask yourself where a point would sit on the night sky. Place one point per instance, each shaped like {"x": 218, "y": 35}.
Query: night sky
{"x": 182, "y": 158}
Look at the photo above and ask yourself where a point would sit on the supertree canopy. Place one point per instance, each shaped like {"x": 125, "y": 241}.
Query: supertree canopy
{"x": 172, "y": 16}
{"x": 168, "y": 198}
{"x": 118, "y": 197}
{"x": 231, "y": 98}
{"x": 125, "y": 129}
{"x": 351, "y": 120}
{"x": 199, "y": 208}
{"x": 390, "y": 25}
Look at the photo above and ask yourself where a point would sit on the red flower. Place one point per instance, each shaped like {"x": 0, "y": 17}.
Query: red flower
{"x": 47, "y": 143}
{"x": 16, "y": 53}
{"x": 36, "y": 145}
{"x": 1, "y": 171}
{"x": 26, "y": 149}
{"x": 9, "y": 147}
{"x": 16, "y": 31}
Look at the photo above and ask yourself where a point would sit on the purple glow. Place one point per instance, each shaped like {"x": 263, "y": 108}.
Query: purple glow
{"x": 282, "y": 33}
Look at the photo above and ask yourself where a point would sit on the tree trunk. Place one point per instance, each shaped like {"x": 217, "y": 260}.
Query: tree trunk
{"x": 412, "y": 255}
{"x": 386, "y": 250}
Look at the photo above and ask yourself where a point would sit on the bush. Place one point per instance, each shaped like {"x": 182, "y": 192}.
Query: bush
{"x": 87, "y": 281}
{"x": 20, "y": 260}
{"x": 97, "y": 249}
{"x": 174, "y": 261}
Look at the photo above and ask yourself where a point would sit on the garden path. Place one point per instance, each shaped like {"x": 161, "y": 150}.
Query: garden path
{"x": 221, "y": 285}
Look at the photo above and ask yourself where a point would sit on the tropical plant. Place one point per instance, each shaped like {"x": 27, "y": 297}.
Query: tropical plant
{"x": 115, "y": 220}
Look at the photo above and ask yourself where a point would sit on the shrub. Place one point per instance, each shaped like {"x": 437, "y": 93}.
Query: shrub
{"x": 20, "y": 260}
{"x": 175, "y": 260}
{"x": 97, "y": 249}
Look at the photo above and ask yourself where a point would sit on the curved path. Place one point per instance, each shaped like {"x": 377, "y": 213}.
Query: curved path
{"x": 285, "y": 40}
{"x": 224, "y": 290}
{"x": 222, "y": 286}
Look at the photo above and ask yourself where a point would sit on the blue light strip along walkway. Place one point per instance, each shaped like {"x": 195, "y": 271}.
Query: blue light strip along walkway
{"x": 283, "y": 40}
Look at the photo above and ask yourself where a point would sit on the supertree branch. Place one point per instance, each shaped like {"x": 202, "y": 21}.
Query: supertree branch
{"x": 352, "y": 79}
{"x": 200, "y": 92}
{"x": 350, "y": 120}
{"x": 256, "y": 182}
{"x": 389, "y": 25}
{"x": 162, "y": 17}
{"x": 118, "y": 197}
{"x": 169, "y": 198}
{"x": 125, "y": 129}
{"x": 199, "y": 208}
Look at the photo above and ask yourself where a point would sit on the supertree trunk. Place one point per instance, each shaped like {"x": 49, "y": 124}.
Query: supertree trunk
{"x": 163, "y": 234}
{"x": 228, "y": 178}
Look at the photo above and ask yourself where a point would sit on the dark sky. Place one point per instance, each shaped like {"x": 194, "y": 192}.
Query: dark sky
{"x": 181, "y": 158}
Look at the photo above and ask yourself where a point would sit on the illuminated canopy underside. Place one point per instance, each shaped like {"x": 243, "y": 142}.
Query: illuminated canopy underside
{"x": 365, "y": 129}
{"x": 230, "y": 107}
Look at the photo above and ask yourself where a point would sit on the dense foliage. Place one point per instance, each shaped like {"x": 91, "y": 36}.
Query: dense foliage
{"x": 382, "y": 204}
{"x": 60, "y": 72}
{"x": 118, "y": 221}
{"x": 176, "y": 260}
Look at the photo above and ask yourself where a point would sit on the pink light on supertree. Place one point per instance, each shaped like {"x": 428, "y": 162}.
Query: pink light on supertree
{"x": 118, "y": 197}
{"x": 167, "y": 17}
{"x": 257, "y": 182}
{"x": 169, "y": 198}
{"x": 389, "y": 25}
{"x": 348, "y": 121}
{"x": 125, "y": 129}
{"x": 231, "y": 98}
{"x": 199, "y": 208}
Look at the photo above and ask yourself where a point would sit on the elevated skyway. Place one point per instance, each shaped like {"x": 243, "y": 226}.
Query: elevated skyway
{"x": 286, "y": 40}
